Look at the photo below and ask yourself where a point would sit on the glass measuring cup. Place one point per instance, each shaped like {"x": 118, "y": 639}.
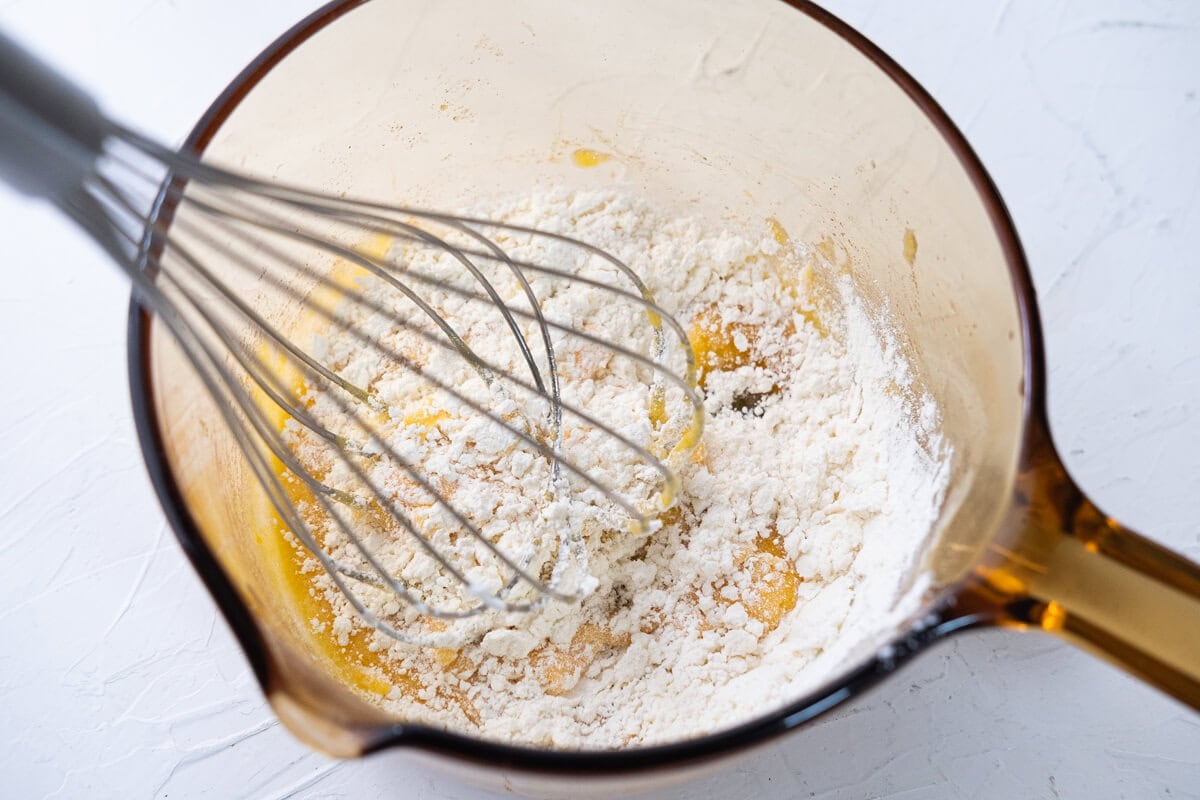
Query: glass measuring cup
{"x": 744, "y": 110}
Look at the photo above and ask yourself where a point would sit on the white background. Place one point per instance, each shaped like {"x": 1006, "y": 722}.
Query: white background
{"x": 118, "y": 679}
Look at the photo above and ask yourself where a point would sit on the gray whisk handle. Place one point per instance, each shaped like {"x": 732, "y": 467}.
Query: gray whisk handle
{"x": 51, "y": 132}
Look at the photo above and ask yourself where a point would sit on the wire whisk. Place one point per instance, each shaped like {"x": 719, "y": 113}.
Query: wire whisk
{"x": 267, "y": 288}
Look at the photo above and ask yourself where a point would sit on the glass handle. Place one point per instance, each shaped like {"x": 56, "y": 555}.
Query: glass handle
{"x": 1069, "y": 569}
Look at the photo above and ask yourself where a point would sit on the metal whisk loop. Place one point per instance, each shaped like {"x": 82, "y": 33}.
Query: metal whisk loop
{"x": 226, "y": 231}
{"x": 327, "y": 436}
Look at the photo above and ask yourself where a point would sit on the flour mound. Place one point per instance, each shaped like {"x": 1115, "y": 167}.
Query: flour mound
{"x": 792, "y": 545}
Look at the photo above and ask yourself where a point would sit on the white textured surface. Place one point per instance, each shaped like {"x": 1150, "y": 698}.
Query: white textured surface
{"x": 118, "y": 679}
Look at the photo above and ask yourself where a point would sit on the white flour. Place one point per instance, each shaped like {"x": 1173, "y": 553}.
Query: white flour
{"x": 799, "y": 518}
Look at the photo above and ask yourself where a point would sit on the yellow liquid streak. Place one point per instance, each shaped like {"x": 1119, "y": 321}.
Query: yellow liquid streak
{"x": 586, "y": 157}
{"x": 775, "y": 581}
{"x": 910, "y": 246}
{"x": 658, "y": 415}
{"x": 778, "y": 233}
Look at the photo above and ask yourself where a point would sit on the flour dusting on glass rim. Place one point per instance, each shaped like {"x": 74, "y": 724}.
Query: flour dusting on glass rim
{"x": 801, "y": 515}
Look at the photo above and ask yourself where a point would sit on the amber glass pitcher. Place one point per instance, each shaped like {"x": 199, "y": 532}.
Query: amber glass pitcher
{"x": 726, "y": 110}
